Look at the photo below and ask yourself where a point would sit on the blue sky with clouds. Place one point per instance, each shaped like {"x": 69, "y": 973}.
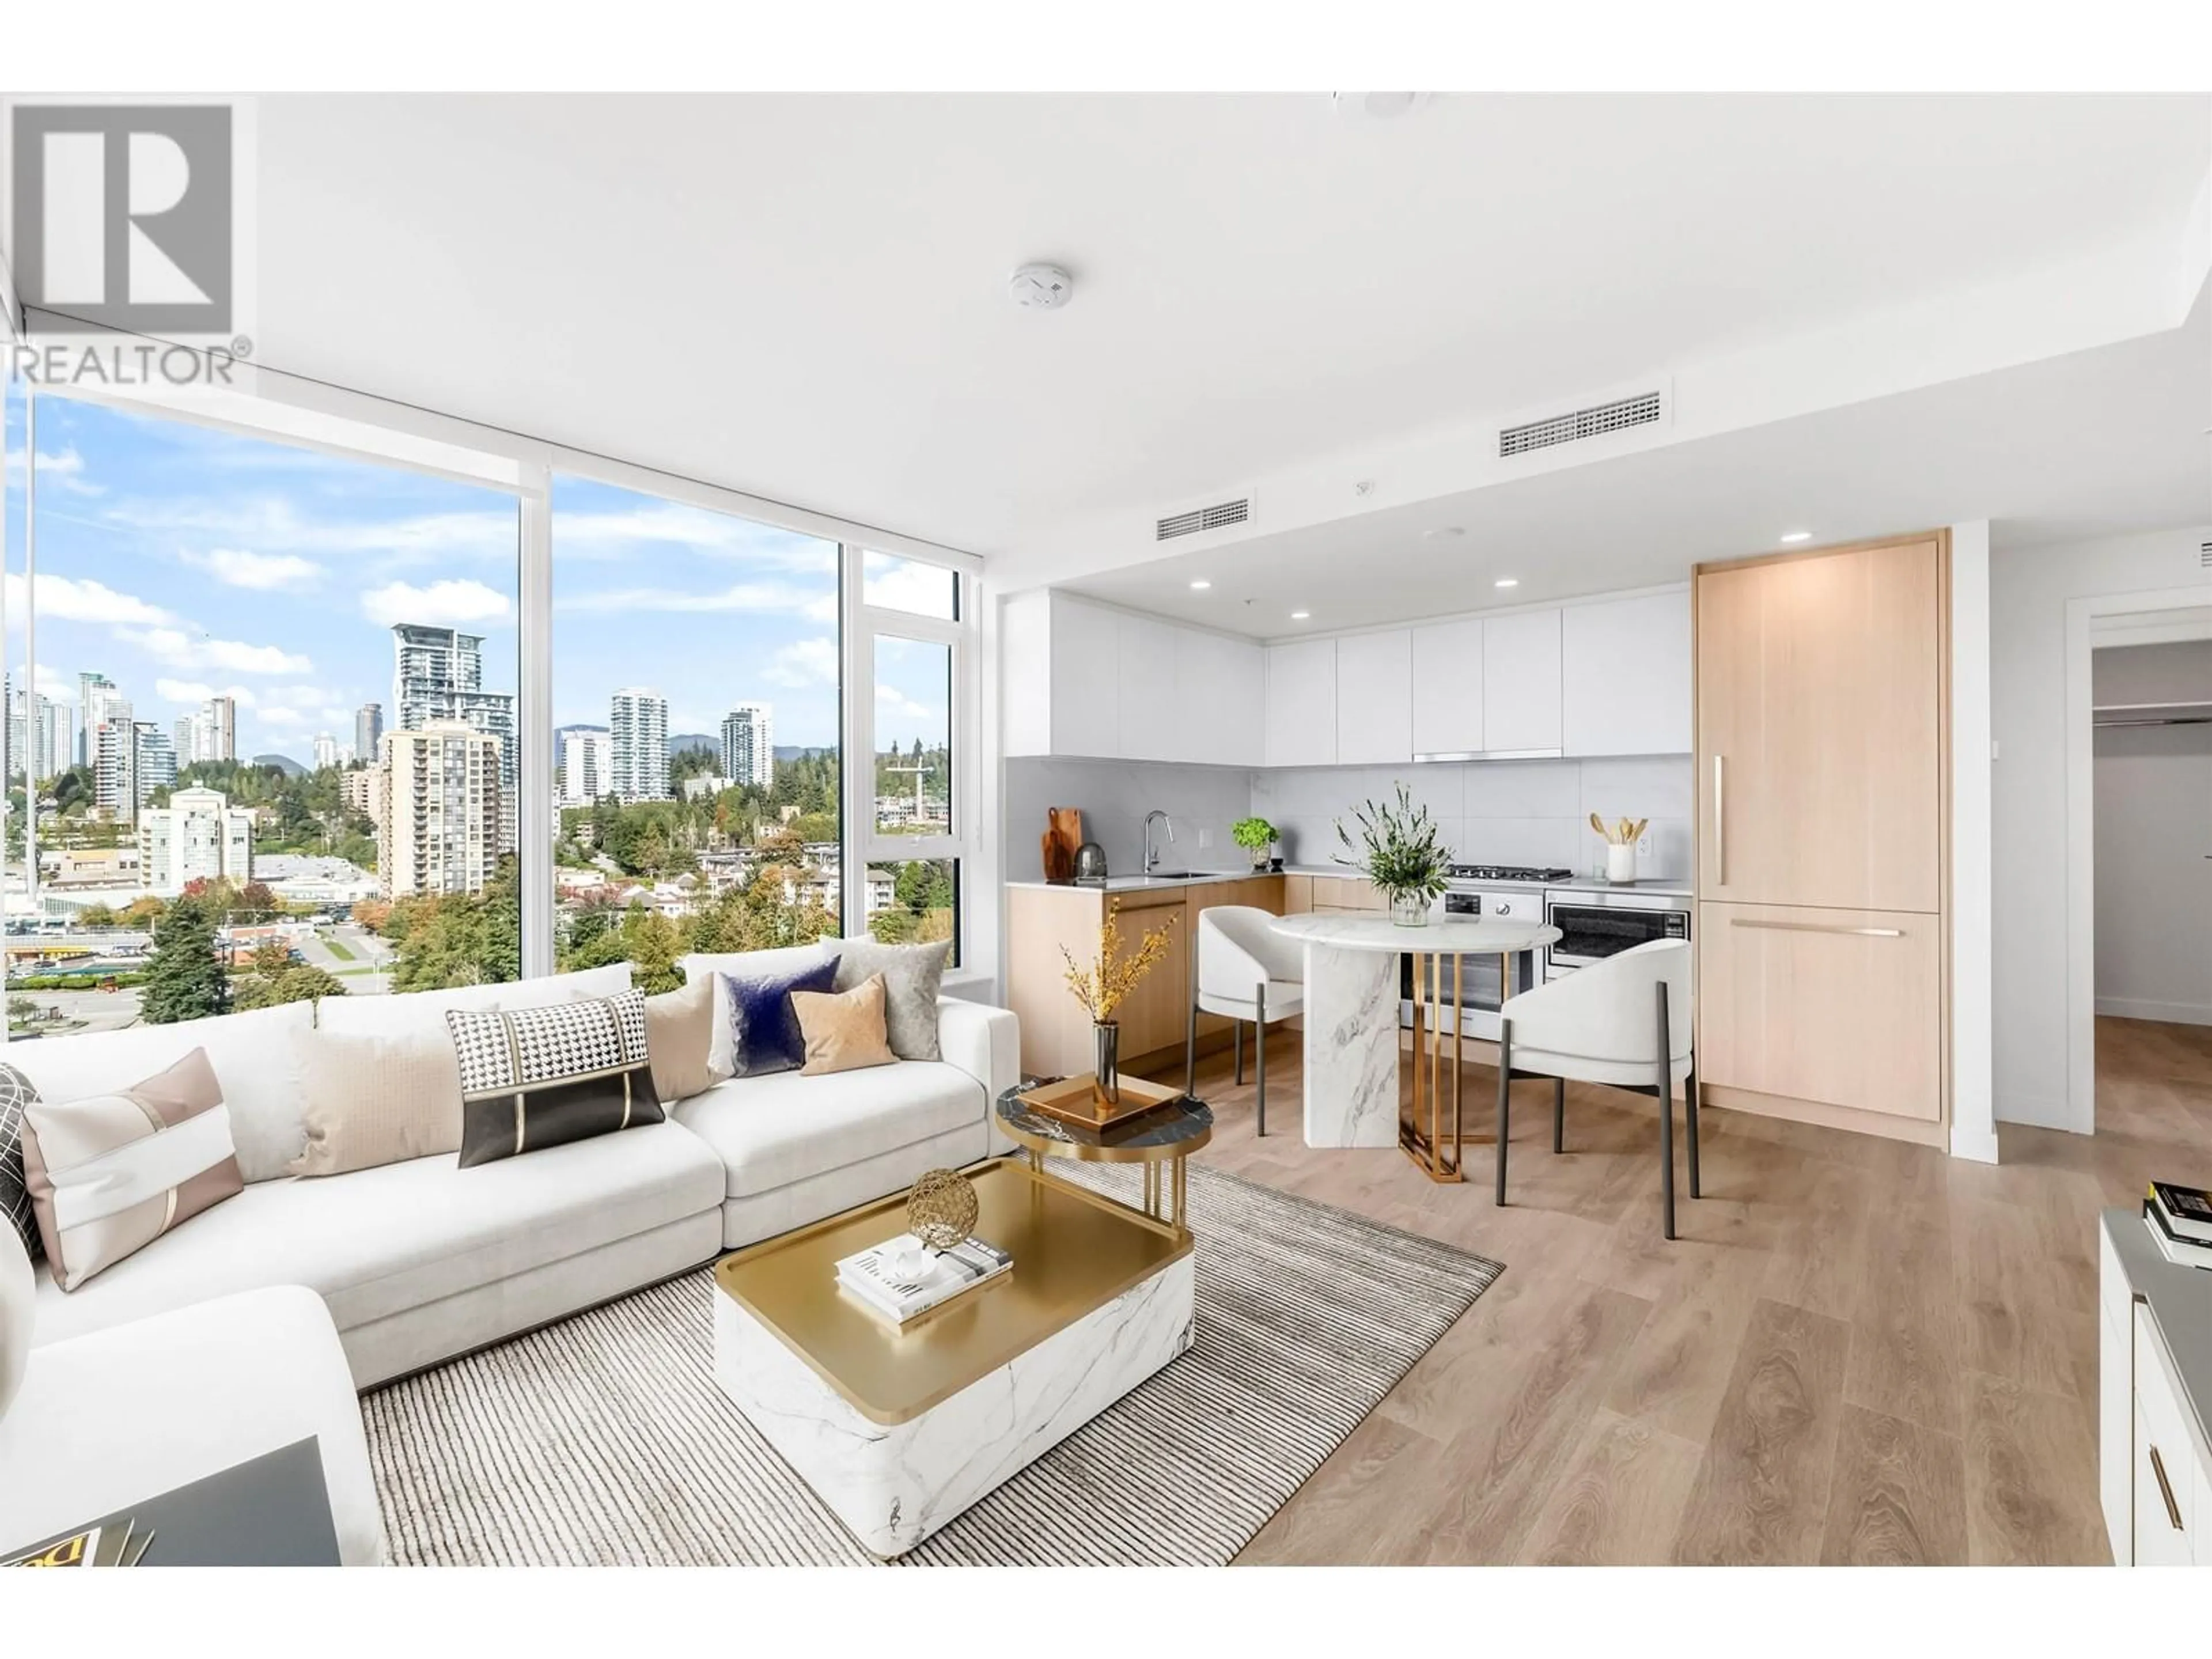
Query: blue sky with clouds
{"x": 182, "y": 560}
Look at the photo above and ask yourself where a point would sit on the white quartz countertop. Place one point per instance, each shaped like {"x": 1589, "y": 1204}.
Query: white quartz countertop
{"x": 1454, "y": 937}
{"x": 1140, "y": 884}
{"x": 1672, "y": 888}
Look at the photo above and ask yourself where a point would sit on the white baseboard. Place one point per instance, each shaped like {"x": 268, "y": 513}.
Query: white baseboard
{"x": 1976, "y": 1144}
{"x": 2172, "y": 1013}
{"x": 2039, "y": 1111}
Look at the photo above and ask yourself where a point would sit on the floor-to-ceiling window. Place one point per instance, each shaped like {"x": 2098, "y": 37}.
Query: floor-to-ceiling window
{"x": 324, "y": 696}
{"x": 262, "y": 701}
{"x": 696, "y": 665}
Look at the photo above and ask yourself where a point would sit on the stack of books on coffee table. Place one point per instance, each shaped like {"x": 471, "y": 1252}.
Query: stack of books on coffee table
{"x": 902, "y": 1278}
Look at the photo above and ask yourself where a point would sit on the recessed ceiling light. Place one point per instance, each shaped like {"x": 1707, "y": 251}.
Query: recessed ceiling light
{"x": 1508, "y": 581}
{"x": 1300, "y": 615}
{"x": 1798, "y": 536}
{"x": 1442, "y": 532}
{"x": 1201, "y": 583}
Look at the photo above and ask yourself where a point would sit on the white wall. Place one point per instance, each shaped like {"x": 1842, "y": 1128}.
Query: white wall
{"x": 2030, "y": 589}
{"x": 1973, "y": 1085}
{"x": 1114, "y": 796}
{"x": 1496, "y": 812}
{"x": 2154, "y": 818}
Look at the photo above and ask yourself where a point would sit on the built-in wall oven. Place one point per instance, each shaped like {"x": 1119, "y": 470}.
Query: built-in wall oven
{"x": 1482, "y": 984}
{"x": 1594, "y": 925}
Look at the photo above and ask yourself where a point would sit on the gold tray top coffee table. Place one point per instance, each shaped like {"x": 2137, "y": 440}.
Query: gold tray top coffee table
{"x": 900, "y": 1430}
{"x": 1161, "y": 1140}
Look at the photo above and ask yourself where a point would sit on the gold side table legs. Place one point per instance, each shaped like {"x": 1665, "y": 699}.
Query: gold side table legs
{"x": 1167, "y": 1188}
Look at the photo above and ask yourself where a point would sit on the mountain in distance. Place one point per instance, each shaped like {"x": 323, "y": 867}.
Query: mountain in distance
{"x": 791, "y": 751}
{"x": 284, "y": 763}
{"x": 683, "y": 740}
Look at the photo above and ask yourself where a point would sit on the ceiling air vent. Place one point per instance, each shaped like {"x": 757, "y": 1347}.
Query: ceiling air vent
{"x": 1200, "y": 520}
{"x": 2205, "y": 555}
{"x": 1621, "y": 415}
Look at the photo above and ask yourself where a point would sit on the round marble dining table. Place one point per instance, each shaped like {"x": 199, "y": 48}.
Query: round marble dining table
{"x": 1354, "y": 1095}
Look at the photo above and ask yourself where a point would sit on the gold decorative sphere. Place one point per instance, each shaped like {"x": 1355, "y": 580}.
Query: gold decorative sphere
{"x": 941, "y": 1211}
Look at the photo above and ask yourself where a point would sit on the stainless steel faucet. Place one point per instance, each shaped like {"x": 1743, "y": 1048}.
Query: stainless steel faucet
{"x": 1153, "y": 858}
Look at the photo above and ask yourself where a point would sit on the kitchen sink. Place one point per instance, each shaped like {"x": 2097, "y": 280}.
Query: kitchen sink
{"x": 1175, "y": 875}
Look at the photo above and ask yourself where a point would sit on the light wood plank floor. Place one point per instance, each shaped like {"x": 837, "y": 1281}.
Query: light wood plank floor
{"x": 1857, "y": 1352}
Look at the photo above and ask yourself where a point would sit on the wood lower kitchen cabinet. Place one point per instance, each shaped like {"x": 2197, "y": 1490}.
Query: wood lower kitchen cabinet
{"x": 1822, "y": 768}
{"x": 1055, "y": 1032}
{"x": 1837, "y": 1008}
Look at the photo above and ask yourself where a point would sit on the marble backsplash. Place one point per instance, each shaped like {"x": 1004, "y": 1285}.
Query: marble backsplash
{"x": 1491, "y": 811}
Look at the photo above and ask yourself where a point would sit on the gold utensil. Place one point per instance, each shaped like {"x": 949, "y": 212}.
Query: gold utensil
{"x": 1598, "y": 824}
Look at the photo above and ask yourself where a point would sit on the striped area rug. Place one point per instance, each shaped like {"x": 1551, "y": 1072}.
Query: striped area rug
{"x": 604, "y": 1440}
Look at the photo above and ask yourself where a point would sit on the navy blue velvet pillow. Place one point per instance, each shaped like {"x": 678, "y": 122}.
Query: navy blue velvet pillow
{"x": 764, "y": 1034}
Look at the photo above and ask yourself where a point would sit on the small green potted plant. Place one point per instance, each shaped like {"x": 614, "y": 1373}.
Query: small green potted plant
{"x": 1255, "y": 836}
{"x": 1400, "y": 851}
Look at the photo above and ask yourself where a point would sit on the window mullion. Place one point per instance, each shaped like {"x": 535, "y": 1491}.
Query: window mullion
{"x": 534, "y": 817}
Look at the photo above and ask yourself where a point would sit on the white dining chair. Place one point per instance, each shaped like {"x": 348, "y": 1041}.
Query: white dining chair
{"x": 1625, "y": 1023}
{"x": 1246, "y": 971}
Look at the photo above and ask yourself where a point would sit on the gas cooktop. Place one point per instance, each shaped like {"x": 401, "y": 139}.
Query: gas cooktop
{"x": 1527, "y": 872}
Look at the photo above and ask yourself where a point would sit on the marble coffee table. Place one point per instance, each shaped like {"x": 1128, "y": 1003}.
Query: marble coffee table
{"x": 898, "y": 1431}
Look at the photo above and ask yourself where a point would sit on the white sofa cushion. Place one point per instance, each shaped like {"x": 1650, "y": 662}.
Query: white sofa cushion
{"x": 379, "y": 1242}
{"x": 257, "y": 1058}
{"x": 415, "y": 1013}
{"x": 771, "y": 1131}
{"x": 109, "y": 1421}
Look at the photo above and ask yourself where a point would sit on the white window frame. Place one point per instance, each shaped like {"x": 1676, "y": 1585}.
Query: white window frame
{"x": 864, "y": 624}
{"x": 290, "y": 410}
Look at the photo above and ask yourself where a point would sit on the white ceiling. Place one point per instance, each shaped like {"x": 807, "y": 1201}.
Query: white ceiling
{"x": 2093, "y": 443}
{"x": 804, "y": 297}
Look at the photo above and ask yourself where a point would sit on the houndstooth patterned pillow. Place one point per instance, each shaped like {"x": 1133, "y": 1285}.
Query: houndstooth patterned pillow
{"x": 535, "y": 1077}
{"x": 16, "y": 1091}
{"x": 520, "y": 1048}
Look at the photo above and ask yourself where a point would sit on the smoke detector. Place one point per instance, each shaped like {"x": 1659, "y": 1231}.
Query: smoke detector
{"x": 1041, "y": 287}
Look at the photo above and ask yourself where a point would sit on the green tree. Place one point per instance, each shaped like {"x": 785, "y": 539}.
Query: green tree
{"x": 651, "y": 943}
{"x": 95, "y": 915}
{"x": 277, "y": 979}
{"x": 184, "y": 980}
{"x": 458, "y": 938}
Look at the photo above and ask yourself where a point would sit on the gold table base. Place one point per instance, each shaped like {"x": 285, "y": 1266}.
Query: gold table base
{"x": 1429, "y": 1119}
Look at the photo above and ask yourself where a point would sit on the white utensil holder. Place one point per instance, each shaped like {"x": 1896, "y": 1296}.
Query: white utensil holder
{"x": 1620, "y": 861}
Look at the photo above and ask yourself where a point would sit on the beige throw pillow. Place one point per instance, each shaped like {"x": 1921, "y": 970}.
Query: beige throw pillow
{"x": 109, "y": 1174}
{"x": 374, "y": 1100}
{"x": 844, "y": 1029}
{"x": 679, "y": 1038}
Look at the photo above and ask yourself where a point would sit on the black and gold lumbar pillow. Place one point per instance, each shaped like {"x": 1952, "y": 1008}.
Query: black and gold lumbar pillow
{"x": 534, "y": 1077}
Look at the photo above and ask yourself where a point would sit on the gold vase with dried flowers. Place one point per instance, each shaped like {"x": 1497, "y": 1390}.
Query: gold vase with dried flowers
{"x": 1103, "y": 985}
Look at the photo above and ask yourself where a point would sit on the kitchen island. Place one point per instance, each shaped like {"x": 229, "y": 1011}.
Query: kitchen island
{"x": 1352, "y": 1094}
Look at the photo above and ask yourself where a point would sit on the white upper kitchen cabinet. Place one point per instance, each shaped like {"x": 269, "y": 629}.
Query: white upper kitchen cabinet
{"x": 1059, "y": 677}
{"x": 1520, "y": 683}
{"x": 1375, "y": 699}
{"x": 1625, "y": 688}
{"x": 1145, "y": 668}
{"x": 1302, "y": 703}
{"x": 1221, "y": 690}
{"x": 1447, "y": 668}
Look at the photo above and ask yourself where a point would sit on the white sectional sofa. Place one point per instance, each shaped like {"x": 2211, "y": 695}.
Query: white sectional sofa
{"x": 421, "y": 1260}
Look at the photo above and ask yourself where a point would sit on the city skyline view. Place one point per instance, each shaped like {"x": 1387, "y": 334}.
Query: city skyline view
{"x": 186, "y": 563}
